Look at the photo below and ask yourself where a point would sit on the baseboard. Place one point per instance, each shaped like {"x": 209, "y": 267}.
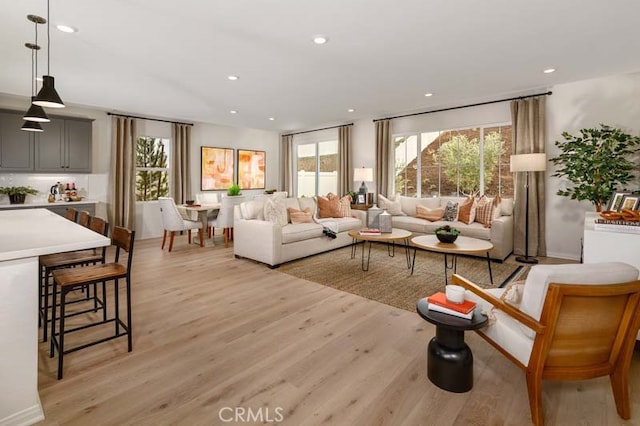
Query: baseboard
{"x": 28, "y": 416}
{"x": 567, "y": 256}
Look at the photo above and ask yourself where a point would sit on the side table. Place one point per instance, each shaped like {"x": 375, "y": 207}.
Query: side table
{"x": 449, "y": 358}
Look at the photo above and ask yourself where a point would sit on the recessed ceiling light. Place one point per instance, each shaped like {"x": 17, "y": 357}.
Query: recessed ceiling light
{"x": 428, "y": 94}
{"x": 66, "y": 28}
{"x": 350, "y": 110}
{"x": 233, "y": 77}
{"x": 233, "y": 111}
{"x": 549, "y": 70}
{"x": 272, "y": 119}
{"x": 320, "y": 39}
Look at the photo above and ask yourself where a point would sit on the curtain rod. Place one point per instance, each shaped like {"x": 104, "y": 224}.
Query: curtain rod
{"x": 466, "y": 106}
{"x": 146, "y": 118}
{"x": 318, "y": 130}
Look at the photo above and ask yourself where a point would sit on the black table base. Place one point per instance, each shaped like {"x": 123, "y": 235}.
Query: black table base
{"x": 450, "y": 361}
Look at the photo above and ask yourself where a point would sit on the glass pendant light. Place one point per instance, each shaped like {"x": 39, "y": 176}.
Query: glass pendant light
{"x": 35, "y": 112}
{"x": 47, "y": 96}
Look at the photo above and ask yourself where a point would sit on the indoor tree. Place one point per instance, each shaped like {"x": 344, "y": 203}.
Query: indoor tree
{"x": 597, "y": 163}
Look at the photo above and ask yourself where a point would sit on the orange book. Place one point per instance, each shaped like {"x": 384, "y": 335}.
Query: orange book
{"x": 440, "y": 299}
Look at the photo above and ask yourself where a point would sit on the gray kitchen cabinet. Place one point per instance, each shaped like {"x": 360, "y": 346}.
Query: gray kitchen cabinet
{"x": 64, "y": 146}
{"x": 16, "y": 146}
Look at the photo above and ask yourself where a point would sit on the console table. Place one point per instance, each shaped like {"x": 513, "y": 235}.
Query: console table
{"x": 605, "y": 246}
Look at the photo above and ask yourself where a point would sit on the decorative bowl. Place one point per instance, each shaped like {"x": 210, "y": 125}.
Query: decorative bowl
{"x": 446, "y": 238}
{"x": 190, "y": 202}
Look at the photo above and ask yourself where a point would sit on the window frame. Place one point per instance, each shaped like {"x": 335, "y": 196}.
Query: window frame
{"x": 167, "y": 144}
{"x": 316, "y": 143}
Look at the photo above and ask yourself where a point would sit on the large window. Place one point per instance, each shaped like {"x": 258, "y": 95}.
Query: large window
{"x": 454, "y": 162}
{"x": 152, "y": 168}
{"x": 316, "y": 168}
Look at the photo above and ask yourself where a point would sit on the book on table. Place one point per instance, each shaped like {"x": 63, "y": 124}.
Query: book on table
{"x": 369, "y": 231}
{"x": 440, "y": 299}
{"x": 442, "y": 309}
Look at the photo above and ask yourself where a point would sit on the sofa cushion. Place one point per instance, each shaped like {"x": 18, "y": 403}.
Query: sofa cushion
{"x": 341, "y": 224}
{"x": 275, "y": 211}
{"x": 506, "y": 207}
{"x": 293, "y": 203}
{"x": 410, "y": 223}
{"x": 253, "y": 209}
{"x": 392, "y": 204}
{"x": 431, "y": 215}
{"x": 410, "y": 204}
{"x": 297, "y": 216}
{"x": 300, "y": 232}
{"x": 308, "y": 202}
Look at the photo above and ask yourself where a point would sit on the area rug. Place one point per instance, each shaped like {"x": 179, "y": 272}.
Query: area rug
{"x": 388, "y": 280}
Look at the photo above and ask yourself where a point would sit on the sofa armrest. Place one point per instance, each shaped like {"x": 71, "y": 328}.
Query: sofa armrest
{"x": 360, "y": 215}
{"x": 502, "y": 237}
{"x": 257, "y": 239}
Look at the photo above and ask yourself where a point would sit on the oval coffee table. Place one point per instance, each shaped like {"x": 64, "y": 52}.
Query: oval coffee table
{"x": 386, "y": 237}
{"x": 449, "y": 359}
{"x": 462, "y": 245}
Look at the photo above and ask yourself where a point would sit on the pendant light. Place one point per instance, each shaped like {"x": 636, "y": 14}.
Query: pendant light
{"x": 48, "y": 97}
{"x": 35, "y": 112}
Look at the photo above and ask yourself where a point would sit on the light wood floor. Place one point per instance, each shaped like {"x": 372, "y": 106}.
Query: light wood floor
{"x": 211, "y": 331}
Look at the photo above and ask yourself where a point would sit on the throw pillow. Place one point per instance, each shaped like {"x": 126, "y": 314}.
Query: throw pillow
{"x": 467, "y": 211}
{"x": 430, "y": 214}
{"x": 450, "y": 211}
{"x": 344, "y": 204}
{"x": 497, "y": 207}
{"x": 275, "y": 212}
{"x": 298, "y": 216}
{"x": 485, "y": 211}
{"x": 392, "y": 206}
{"x": 328, "y": 207}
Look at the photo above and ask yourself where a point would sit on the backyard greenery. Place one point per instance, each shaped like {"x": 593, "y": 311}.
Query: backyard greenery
{"x": 152, "y": 180}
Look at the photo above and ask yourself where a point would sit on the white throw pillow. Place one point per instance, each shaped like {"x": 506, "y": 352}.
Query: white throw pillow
{"x": 253, "y": 209}
{"x": 392, "y": 206}
{"x": 275, "y": 211}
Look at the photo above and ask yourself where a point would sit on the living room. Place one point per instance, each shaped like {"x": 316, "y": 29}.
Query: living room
{"x": 605, "y": 91}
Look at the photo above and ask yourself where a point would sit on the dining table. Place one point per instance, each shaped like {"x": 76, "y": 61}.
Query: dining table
{"x": 199, "y": 212}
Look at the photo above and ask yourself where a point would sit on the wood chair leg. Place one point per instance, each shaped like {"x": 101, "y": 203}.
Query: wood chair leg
{"x": 164, "y": 238}
{"x": 189, "y": 234}
{"x": 171, "y": 240}
{"x": 534, "y": 388}
{"x": 201, "y": 237}
{"x": 620, "y": 386}
{"x": 225, "y": 231}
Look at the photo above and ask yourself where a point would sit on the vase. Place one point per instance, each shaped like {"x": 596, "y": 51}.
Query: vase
{"x": 17, "y": 198}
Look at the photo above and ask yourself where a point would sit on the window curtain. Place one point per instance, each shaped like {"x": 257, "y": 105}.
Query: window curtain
{"x": 180, "y": 164}
{"x": 528, "y": 124}
{"x": 345, "y": 160}
{"x": 286, "y": 177}
{"x": 383, "y": 156}
{"x": 122, "y": 205}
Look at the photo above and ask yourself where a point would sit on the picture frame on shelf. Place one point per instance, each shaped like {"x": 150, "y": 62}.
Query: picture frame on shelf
{"x": 217, "y": 168}
{"x": 252, "y": 167}
{"x": 615, "y": 203}
{"x": 631, "y": 202}
{"x": 361, "y": 199}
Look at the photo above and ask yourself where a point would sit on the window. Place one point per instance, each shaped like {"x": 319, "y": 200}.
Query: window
{"x": 316, "y": 168}
{"x": 454, "y": 162}
{"x": 152, "y": 168}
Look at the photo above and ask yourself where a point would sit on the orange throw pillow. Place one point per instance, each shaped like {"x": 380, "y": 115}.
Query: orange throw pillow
{"x": 430, "y": 214}
{"x": 300, "y": 216}
{"x": 467, "y": 211}
{"x": 328, "y": 207}
{"x": 484, "y": 212}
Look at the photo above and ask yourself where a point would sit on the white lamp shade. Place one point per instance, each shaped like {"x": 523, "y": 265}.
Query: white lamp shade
{"x": 529, "y": 162}
{"x": 363, "y": 174}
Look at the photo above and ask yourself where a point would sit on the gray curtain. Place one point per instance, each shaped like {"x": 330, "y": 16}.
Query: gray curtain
{"x": 345, "y": 160}
{"x": 286, "y": 161}
{"x": 528, "y": 124}
{"x": 180, "y": 163}
{"x": 122, "y": 199}
{"x": 383, "y": 156}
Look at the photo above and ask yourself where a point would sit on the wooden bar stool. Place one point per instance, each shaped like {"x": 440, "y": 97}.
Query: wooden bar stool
{"x": 84, "y": 217}
{"x": 74, "y": 278}
{"x": 72, "y": 214}
{"x": 51, "y": 262}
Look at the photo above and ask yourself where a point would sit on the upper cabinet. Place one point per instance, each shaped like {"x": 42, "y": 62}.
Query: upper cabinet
{"x": 16, "y": 146}
{"x": 64, "y": 146}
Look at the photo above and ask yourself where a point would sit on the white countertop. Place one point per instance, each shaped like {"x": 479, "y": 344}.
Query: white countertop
{"x": 34, "y": 232}
{"x": 45, "y": 204}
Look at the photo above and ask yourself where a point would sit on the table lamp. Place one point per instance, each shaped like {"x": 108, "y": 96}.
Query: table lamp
{"x": 363, "y": 174}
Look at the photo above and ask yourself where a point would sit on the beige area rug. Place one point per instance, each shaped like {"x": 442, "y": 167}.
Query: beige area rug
{"x": 388, "y": 279}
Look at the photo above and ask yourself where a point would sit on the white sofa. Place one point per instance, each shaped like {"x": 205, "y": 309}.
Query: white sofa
{"x": 271, "y": 243}
{"x": 500, "y": 234}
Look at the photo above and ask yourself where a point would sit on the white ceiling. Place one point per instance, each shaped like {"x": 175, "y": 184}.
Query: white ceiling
{"x": 171, "y": 59}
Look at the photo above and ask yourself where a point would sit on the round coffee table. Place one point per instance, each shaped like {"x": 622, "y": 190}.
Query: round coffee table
{"x": 449, "y": 359}
{"x": 386, "y": 237}
{"x": 462, "y": 245}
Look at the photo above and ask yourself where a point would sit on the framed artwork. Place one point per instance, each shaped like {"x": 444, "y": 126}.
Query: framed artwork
{"x": 616, "y": 201}
{"x": 361, "y": 199}
{"x": 251, "y": 169}
{"x": 630, "y": 202}
{"x": 217, "y": 168}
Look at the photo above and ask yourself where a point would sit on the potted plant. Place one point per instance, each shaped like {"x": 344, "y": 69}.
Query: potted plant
{"x": 596, "y": 163}
{"x": 17, "y": 194}
{"x": 233, "y": 190}
{"x": 447, "y": 234}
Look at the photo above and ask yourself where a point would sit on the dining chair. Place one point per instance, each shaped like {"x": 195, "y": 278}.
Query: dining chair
{"x": 567, "y": 322}
{"x": 173, "y": 221}
{"x": 212, "y": 216}
{"x": 225, "y": 216}
{"x": 71, "y": 214}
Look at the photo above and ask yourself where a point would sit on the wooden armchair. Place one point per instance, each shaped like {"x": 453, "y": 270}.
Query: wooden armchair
{"x": 574, "y": 322}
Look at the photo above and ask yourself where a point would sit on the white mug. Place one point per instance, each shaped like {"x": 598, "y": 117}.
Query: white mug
{"x": 455, "y": 293}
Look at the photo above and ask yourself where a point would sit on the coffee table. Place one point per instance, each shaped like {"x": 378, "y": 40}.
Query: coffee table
{"x": 449, "y": 358}
{"x": 386, "y": 237}
{"x": 462, "y": 245}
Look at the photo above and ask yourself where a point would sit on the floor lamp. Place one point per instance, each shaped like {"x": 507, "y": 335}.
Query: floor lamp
{"x": 528, "y": 163}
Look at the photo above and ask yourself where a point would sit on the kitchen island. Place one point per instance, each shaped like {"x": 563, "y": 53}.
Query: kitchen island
{"x": 26, "y": 234}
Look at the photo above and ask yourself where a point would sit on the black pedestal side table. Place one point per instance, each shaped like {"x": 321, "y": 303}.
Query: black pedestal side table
{"x": 449, "y": 359}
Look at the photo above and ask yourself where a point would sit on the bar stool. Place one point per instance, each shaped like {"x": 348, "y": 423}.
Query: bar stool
{"x": 72, "y": 214}
{"x": 51, "y": 262}
{"x": 84, "y": 217}
{"x": 70, "y": 279}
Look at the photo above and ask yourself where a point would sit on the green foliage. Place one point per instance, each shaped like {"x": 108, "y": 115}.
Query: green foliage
{"x": 154, "y": 181}
{"x": 596, "y": 162}
{"x": 16, "y": 190}
{"x": 448, "y": 230}
{"x": 233, "y": 190}
{"x": 460, "y": 157}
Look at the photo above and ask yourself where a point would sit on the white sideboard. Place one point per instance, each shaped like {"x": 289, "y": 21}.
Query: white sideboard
{"x": 605, "y": 246}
